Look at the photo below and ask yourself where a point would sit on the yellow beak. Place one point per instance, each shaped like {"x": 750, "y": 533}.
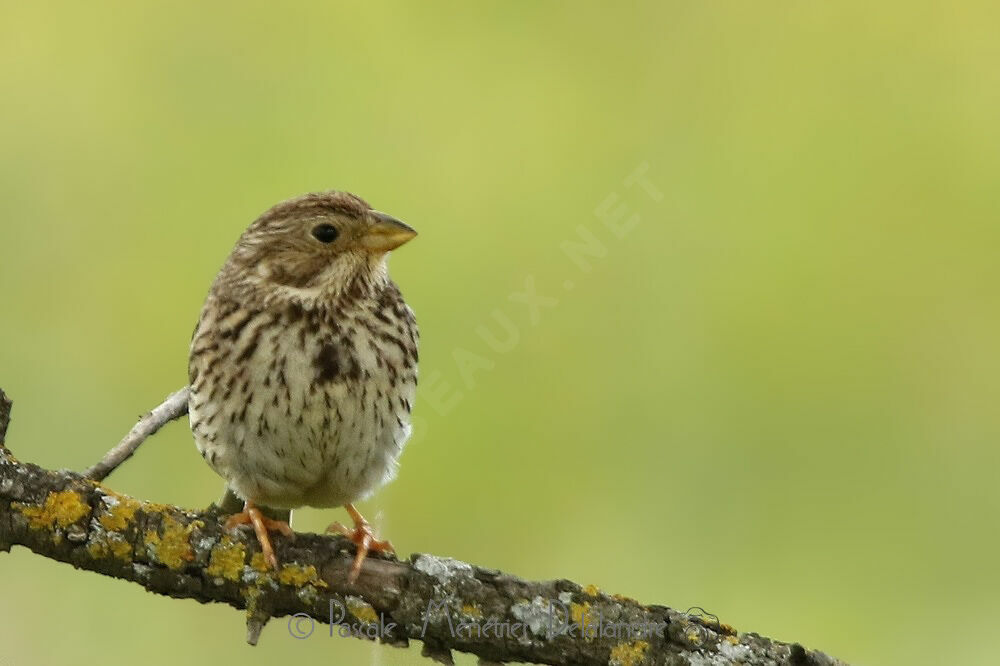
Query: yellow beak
{"x": 386, "y": 234}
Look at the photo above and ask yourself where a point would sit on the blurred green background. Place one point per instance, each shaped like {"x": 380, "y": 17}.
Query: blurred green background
{"x": 775, "y": 396}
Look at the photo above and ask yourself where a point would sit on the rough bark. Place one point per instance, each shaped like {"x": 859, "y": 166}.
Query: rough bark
{"x": 444, "y": 603}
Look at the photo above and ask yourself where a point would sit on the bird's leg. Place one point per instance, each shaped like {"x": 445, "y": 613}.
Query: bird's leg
{"x": 251, "y": 515}
{"x": 364, "y": 539}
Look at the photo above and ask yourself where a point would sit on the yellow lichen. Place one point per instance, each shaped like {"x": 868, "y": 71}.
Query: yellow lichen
{"x": 258, "y": 562}
{"x": 120, "y": 514}
{"x": 591, "y": 590}
{"x": 298, "y": 575}
{"x": 226, "y": 560}
{"x": 121, "y": 549}
{"x": 694, "y": 636}
{"x": 361, "y": 610}
{"x": 252, "y": 596}
{"x": 172, "y": 548}
{"x": 629, "y": 654}
{"x": 60, "y": 508}
{"x": 581, "y": 615}
{"x": 473, "y": 611}
{"x": 111, "y": 545}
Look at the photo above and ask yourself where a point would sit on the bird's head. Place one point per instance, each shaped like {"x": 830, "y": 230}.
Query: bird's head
{"x": 318, "y": 246}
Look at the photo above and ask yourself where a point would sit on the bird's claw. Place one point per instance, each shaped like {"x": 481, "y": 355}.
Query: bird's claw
{"x": 364, "y": 540}
{"x": 261, "y": 524}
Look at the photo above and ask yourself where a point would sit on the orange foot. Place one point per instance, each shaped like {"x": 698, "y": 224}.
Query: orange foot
{"x": 363, "y": 538}
{"x": 251, "y": 515}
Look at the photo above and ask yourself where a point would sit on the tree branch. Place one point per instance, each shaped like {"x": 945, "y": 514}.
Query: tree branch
{"x": 445, "y": 603}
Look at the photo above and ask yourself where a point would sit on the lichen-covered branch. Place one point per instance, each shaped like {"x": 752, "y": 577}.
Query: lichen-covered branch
{"x": 446, "y": 604}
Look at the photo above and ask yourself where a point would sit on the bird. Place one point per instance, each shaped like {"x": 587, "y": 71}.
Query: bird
{"x": 303, "y": 366}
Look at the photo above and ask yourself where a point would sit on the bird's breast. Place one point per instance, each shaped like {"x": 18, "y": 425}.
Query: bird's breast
{"x": 304, "y": 407}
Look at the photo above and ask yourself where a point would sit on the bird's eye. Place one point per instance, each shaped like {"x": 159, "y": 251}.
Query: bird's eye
{"x": 325, "y": 233}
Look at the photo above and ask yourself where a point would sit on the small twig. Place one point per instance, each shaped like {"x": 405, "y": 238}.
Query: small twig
{"x": 5, "y": 405}
{"x": 175, "y": 406}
